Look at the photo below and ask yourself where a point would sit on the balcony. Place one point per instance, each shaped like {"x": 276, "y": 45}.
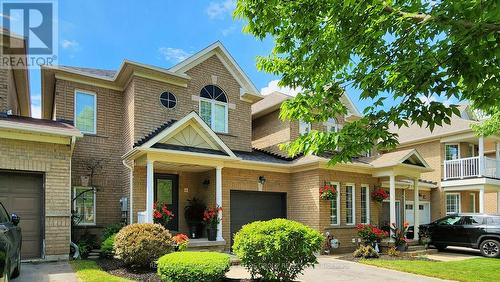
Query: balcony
{"x": 470, "y": 167}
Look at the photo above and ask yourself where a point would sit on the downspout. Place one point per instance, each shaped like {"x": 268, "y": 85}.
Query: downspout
{"x": 131, "y": 191}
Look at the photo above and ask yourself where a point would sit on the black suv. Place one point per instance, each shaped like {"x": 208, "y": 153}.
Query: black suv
{"x": 478, "y": 231}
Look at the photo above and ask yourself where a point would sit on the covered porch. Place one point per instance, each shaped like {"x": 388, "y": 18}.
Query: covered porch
{"x": 400, "y": 172}
{"x": 475, "y": 195}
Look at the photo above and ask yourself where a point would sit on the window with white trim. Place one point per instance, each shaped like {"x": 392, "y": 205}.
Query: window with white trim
{"x": 304, "y": 127}
{"x": 350, "y": 208}
{"x": 451, "y": 151}
{"x": 213, "y": 108}
{"x": 472, "y": 202}
{"x": 85, "y": 111}
{"x": 332, "y": 125}
{"x": 335, "y": 205}
{"x": 84, "y": 205}
{"x": 452, "y": 203}
{"x": 365, "y": 204}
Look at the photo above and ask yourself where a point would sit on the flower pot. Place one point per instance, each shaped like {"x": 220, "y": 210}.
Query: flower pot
{"x": 212, "y": 234}
{"x": 402, "y": 248}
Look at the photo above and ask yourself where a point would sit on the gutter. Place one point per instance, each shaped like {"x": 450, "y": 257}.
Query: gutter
{"x": 131, "y": 190}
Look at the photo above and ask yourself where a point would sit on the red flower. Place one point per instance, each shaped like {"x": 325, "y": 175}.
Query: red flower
{"x": 157, "y": 214}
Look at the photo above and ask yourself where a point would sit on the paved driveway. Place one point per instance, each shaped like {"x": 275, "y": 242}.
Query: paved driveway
{"x": 330, "y": 269}
{"x": 46, "y": 271}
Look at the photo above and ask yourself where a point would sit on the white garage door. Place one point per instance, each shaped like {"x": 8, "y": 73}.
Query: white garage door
{"x": 425, "y": 212}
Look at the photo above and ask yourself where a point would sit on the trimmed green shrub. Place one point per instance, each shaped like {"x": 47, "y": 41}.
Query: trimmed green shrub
{"x": 277, "y": 249}
{"x": 141, "y": 244}
{"x": 107, "y": 246}
{"x": 365, "y": 252}
{"x": 111, "y": 230}
{"x": 193, "y": 267}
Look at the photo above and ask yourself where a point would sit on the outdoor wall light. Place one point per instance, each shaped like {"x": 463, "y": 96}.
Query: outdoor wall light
{"x": 206, "y": 182}
{"x": 262, "y": 179}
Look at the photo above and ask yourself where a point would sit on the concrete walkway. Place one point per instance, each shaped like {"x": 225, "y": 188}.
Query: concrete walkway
{"x": 59, "y": 271}
{"x": 455, "y": 254}
{"x": 330, "y": 269}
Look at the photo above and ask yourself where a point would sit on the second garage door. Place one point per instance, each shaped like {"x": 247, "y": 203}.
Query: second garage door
{"x": 21, "y": 193}
{"x": 249, "y": 206}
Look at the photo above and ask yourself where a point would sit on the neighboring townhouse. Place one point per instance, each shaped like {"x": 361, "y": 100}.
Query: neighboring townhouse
{"x": 35, "y": 162}
{"x": 201, "y": 129}
{"x": 466, "y": 166}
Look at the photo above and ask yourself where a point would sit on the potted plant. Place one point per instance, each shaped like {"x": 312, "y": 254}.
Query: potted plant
{"x": 328, "y": 192}
{"x": 180, "y": 242}
{"x": 211, "y": 219}
{"x": 371, "y": 235}
{"x": 379, "y": 195}
{"x": 161, "y": 214}
{"x": 399, "y": 236}
{"x": 193, "y": 213}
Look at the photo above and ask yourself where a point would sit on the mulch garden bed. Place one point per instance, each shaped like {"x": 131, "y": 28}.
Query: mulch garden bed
{"x": 117, "y": 268}
{"x": 350, "y": 257}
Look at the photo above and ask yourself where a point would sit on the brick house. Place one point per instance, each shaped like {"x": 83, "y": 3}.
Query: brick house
{"x": 201, "y": 129}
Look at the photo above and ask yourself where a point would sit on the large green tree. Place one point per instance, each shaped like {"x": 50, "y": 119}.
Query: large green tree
{"x": 394, "y": 50}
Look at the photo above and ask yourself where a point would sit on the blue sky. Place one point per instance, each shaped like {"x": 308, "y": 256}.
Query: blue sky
{"x": 101, "y": 34}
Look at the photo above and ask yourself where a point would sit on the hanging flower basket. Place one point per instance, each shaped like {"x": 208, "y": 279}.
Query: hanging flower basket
{"x": 379, "y": 195}
{"x": 328, "y": 192}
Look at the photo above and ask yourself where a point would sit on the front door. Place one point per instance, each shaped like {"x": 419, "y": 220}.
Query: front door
{"x": 167, "y": 191}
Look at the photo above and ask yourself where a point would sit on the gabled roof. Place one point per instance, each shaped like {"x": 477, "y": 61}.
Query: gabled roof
{"x": 409, "y": 157}
{"x": 248, "y": 88}
{"x": 189, "y": 134}
{"x": 273, "y": 101}
{"x": 118, "y": 80}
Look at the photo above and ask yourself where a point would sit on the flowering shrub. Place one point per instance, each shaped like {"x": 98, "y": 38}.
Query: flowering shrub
{"x": 393, "y": 252}
{"x": 370, "y": 234}
{"x": 365, "y": 252}
{"x": 327, "y": 192}
{"x": 141, "y": 244}
{"x": 379, "y": 195}
{"x": 211, "y": 217}
{"x": 181, "y": 241}
{"x": 161, "y": 214}
{"x": 399, "y": 235}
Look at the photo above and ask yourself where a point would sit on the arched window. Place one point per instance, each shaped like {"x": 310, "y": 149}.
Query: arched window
{"x": 213, "y": 108}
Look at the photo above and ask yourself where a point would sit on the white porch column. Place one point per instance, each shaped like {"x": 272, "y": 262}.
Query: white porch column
{"x": 392, "y": 202}
{"x": 481, "y": 155}
{"x": 481, "y": 200}
{"x": 416, "y": 210}
{"x": 497, "y": 159}
{"x": 218, "y": 199}
{"x": 149, "y": 191}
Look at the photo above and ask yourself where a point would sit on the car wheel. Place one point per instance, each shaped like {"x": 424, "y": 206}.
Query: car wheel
{"x": 490, "y": 248}
{"x": 17, "y": 270}
{"x": 440, "y": 247}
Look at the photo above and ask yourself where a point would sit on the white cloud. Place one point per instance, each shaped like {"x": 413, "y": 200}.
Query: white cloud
{"x": 427, "y": 100}
{"x": 227, "y": 31}
{"x": 36, "y": 111}
{"x": 70, "y": 44}
{"x": 273, "y": 86}
{"x": 174, "y": 54}
{"x": 219, "y": 9}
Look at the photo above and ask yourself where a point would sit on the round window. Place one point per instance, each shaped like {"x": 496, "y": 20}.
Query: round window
{"x": 168, "y": 100}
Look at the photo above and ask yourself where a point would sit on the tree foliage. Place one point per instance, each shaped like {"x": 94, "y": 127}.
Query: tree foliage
{"x": 397, "y": 50}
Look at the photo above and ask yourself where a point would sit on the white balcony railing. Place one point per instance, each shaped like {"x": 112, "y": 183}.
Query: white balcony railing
{"x": 470, "y": 167}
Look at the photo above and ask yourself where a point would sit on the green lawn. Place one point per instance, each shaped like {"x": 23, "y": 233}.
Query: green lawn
{"x": 89, "y": 271}
{"x": 476, "y": 269}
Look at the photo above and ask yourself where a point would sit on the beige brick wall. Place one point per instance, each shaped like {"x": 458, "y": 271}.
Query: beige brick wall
{"x": 491, "y": 203}
{"x": 269, "y": 131}
{"x": 8, "y": 95}
{"x": 54, "y": 161}
{"x": 106, "y": 146}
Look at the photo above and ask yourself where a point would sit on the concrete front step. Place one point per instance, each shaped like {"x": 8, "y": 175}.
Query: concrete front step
{"x": 203, "y": 244}
{"x": 420, "y": 252}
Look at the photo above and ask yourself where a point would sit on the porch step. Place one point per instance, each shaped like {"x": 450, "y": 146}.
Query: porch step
{"x": 416, "y": 248}
{"x": 420, "y": 252}
{"x": 203, "y": 244}
{"x": 94, "y": 254}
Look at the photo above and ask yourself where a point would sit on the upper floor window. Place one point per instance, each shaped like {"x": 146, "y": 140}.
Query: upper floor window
{"x": 168, "y": 100}
{"x": 304, "y": 127}
{"x": 332, "y": 125}
{"x": 85, "y": 111}
{"x": 213, "y": 108}
{"x": 452, "y": 151}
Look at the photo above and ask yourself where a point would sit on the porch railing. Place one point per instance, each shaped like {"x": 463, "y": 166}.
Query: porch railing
{"x": 469, "y": 167}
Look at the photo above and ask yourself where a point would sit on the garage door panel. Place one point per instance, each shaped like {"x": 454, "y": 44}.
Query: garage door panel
{"x": 250, "y": 206}
{"x": 22, "y": 193}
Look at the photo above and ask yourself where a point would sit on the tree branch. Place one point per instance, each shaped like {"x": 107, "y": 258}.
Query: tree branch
{"x": 421, "y": 18}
